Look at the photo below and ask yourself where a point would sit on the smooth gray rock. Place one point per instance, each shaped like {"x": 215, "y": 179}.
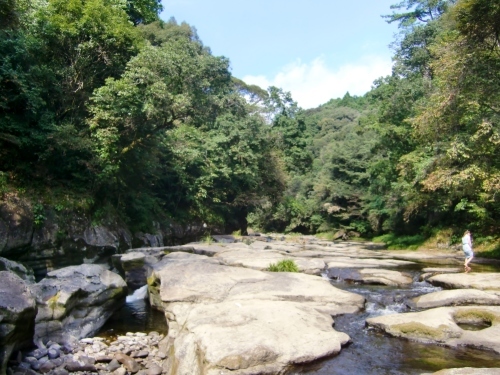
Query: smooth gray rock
{"x": 113, "y": 365}
{"x": 77, "y": 366}
{"x": 46, "y": 367}
{"x": 74, "y": 302}
{"x": 154, "y": 369}
{"x": 38, "y": 353}
{"x": 19, "y": 269}
{"x": 133, "y": 265}
{"x": 53, "y": 353}
{"x": 17, "y": 315}
{"x": 129, "y": 363}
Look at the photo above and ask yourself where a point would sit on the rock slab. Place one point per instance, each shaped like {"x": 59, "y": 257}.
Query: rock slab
{"x": 74, "y": 302}
{"x": 241, "y": 321}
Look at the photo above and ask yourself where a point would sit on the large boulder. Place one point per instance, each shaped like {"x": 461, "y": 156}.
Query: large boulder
{"x": 243, "y": 321}
{"x": 250, "y": 337}
{"x": 443, "y": 326}
{"x": 74, "y": 302}
{"x": 17, "y": 316}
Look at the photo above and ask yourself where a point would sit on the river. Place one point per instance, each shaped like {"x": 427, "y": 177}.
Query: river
{"x": 369, "y": 352}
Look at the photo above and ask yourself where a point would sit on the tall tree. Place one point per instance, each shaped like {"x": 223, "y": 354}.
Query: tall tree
{"x": 144, "y": 11}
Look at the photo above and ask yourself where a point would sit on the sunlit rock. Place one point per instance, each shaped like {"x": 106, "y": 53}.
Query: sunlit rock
{"x": 244, "y": 321}
{"x": 371, "y": 276}
{"x": 483, "y": 281}
{"x": 472, "y": 326}
{"x": 455, "y": 297}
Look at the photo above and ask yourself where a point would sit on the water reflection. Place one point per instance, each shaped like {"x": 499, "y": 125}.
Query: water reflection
{"x": 135, "y": 316}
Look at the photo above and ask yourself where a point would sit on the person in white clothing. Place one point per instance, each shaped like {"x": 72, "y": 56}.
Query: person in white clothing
{"x": 467, "y": 247}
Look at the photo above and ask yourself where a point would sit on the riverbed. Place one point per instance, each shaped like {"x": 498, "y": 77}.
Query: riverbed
{"x": 369, "y": 352}
{"x": 374, "y": 353}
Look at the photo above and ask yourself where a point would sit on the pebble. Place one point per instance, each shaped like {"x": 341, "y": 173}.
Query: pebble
{"x": 53, "y": 353}
{"x": 120, "y": 371}
{"x": 154, "y": 369}
{"x": 134, "y": 353}
{"x": 113, "y": 365}
{"x": 46, "y": 367}
{"x": 39, "y": 353}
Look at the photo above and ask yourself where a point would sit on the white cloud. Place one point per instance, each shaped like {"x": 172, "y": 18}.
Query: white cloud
{"x": 315, "y": 83}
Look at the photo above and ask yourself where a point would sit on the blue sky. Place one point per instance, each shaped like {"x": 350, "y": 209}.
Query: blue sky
{"x": 316, "y": 49}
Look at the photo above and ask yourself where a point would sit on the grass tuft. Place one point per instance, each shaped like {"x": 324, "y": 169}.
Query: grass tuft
{"x": 285, "y": 265}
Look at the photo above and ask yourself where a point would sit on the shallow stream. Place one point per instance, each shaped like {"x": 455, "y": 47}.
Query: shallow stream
{"x": 369, "y": 353}
{"x": 375, "y": 353}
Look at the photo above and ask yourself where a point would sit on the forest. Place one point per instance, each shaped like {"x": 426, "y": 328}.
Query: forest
{"x": 108, "y": 110}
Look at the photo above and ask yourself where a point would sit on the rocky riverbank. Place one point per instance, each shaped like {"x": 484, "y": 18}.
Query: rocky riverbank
{"x": 133, "y": 353}
{"x": 227, "y": 314}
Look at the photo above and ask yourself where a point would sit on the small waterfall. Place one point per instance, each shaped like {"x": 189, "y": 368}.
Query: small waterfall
{"x": 139, "y": 294}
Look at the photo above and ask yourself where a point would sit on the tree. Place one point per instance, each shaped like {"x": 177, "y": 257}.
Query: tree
{"x": 144, "y": 11}
{"x": 418, "y": 11}
{"x": 462, "y": 116}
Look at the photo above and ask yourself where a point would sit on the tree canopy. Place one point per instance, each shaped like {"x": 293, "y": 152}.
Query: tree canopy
{"x": 134, "y": 117}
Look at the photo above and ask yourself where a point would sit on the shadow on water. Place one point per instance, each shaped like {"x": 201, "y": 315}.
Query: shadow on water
{"x": 135, "y": 316}
{"x": 374, "y": 353}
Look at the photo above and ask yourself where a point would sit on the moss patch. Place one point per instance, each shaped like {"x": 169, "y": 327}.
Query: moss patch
{"x": 421, "y": 331}
{"x": 474, "y": 316}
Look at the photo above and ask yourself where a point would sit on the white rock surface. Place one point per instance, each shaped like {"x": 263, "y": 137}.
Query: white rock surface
{"x": 440, "y": 326}
{"x": 483, "y": 281}
{"x": 243, "y": 321}
{"x": 455, "y": 297}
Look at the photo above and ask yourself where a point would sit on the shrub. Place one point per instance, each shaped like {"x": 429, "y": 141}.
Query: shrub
{"x": 285, "y": 265}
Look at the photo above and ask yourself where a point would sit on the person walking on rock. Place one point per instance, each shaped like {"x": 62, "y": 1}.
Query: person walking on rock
{"x": 467, "y": 247}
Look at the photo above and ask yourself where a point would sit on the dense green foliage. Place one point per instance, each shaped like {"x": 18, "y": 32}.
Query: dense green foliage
{"x": 133, "y": 117}
{"x": 420, "y": 151}
{"x": 129, "y": 116}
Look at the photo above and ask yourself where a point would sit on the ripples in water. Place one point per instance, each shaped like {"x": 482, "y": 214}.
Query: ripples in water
{"x": 374, "y": 353}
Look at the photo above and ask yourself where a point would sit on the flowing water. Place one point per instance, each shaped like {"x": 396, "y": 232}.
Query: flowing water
{"x": 135, "y": 316}
{"x": 369, "y": 353}
{"x": 374, "y": 353}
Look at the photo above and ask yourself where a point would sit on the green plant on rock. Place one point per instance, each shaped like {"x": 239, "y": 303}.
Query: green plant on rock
{"x": 3, "y": 183}
{"x": 207, "y": 239}
{"x": 285, "y": 265}
{"x": 38, "y": 214}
